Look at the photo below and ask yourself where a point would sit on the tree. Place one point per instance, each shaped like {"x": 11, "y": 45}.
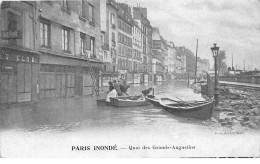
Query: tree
{"x": 222, "y": 62}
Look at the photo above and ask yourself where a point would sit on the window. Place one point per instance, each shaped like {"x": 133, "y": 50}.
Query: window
{"x": 114, "y": 68}
{"x": 119, "y": 37}
{"x": 91, "y": 13}
{"x": 65, "y": 4}
{"x": 119, "y": 24}
{"x": 65, "y": 39}
{"x": 113, "y": 37}
{"x": 120, "y": 50}
{"x": 102, "y": 39}
{"x": 105, "y": 55}
{"x": 92, "y": 46}
{"x": 81, "y": 8}
{"x": 82, "y": 44}
{"x": 45, "y": 33}
{"x": 112, "y": 18}
{"x": 123, "y": 51}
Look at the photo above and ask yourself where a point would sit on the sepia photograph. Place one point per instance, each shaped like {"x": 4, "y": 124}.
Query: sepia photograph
{"x": 130, "y": 79}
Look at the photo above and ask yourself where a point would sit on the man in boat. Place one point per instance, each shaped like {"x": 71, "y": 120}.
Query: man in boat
{"x": 111, "y": 86}
{"x": 117, "y": 88}
{"x": 112, "y": 92}
{"x": 124, "y": 87}
{"x": 146, "y": 92}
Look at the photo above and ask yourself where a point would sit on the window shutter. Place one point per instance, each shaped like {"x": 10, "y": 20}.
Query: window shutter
{"x": 87, "y": 42}
{"x": 87, "y": 10}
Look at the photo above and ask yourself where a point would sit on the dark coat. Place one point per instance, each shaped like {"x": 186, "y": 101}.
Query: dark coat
{"x": 117, "y": 88}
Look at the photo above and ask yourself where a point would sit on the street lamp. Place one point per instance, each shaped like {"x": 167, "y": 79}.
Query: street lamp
{"x": 215, "y": 55}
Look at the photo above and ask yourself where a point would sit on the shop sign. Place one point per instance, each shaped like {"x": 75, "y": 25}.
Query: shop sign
{"x": 5, "y": 35}
{"x": 18, "y": 58}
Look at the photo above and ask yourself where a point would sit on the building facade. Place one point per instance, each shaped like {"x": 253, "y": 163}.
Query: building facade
{"x": 140, "y": 16}
{"x": 180, "y": 62}
{"x": 137, "y": 52}
{"x": 125, "y": 43}
{"x": 171, "y": 53}
{"x": 49, "y": 49}
{"x": 109, "y": 28}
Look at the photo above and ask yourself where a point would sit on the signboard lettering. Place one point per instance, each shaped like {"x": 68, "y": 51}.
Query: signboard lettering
{"x": 17, "y": 58}
{"x": 5, "y": 35}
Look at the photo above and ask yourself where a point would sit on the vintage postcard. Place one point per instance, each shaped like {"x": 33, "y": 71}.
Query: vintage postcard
{"x": 129, "y": 79}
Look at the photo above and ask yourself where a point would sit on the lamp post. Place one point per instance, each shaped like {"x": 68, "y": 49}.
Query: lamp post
{"x": 215, "y": 55}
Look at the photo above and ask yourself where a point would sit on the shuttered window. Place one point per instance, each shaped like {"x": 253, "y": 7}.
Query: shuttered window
{"x": 45, "y": 33}
{"x": 65, "y": 39}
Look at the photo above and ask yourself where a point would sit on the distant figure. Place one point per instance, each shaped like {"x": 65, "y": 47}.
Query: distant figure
{"x": 117, "y": 88}
{"x": 124, "y": 87}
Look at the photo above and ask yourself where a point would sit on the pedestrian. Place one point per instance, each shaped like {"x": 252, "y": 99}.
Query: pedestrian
{"x": 117, "y": 88}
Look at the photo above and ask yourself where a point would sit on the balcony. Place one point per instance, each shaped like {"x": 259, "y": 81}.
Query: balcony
{"x": 6, "y": 35}
{"x": 105, "y": 47}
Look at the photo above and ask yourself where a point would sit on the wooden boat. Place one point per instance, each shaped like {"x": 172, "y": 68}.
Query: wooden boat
{"x": 192, "y": 109}
{"x": 155, "y": 101}
{"x": 103, "y": 102}
{"x": 129, "y": 101}
{"x": 123, "y": 101}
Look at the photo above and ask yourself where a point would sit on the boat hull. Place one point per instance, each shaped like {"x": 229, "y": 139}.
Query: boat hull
{"x": 103, "y": 102}
{"x": 119, "y": 102}
{"x": 153, "y": 101}
{"x": 203, "y": 112}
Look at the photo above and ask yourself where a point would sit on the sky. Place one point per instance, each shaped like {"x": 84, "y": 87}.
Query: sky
{"x": 233, "y": 24}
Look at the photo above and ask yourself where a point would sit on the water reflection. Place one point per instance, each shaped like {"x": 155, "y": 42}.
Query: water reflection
{"x": 65, "y": 115}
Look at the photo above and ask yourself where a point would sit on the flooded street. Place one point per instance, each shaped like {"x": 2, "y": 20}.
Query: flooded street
{"x": 51, "y": 128}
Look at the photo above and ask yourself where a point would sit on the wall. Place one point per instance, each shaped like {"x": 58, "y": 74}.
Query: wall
{"x": 241, "y": 79}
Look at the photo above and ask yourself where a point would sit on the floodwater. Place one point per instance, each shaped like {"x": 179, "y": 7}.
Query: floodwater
{"x": 55, "y": 128}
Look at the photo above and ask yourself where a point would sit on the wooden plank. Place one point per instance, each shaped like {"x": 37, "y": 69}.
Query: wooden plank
{"x": 4, "y": 88}
{"x": 28, "y": 78}
{"x": 12, "y": 89}
{"x": 20, "y": 77}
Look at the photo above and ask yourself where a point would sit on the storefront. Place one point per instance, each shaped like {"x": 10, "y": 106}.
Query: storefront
{"x": 158, "y": 78}
{"x": 146, "y": 78}
{"x": 130, "y": 78}
{"x": 18, "y": 75}
{"x": 68, "y": 77}
{"x": 137, "y": 78}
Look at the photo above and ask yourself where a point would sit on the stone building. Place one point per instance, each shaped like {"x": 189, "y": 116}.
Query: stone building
{"x": 180, "y": 62}
{"x": 137, "y": 52}
{"x": 125, "y": 43}
{"x": 160, "y": 45}
{"x": 109, "y": 28}
{"x": 49, "y": 49}
{"x": 171, "y": 53}
{"x": 140, "y": 16}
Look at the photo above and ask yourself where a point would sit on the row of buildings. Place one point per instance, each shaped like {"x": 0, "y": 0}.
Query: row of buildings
{"x": 56, "y": 49}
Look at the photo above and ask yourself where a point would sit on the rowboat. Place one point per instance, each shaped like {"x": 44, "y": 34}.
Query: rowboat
{"x": 192, "y": 109}
{"x": 103, "y": 102}
{"x": 124, "y": 101}
{"x": 155, "y": 101}
{"x": 131, "y": 101}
